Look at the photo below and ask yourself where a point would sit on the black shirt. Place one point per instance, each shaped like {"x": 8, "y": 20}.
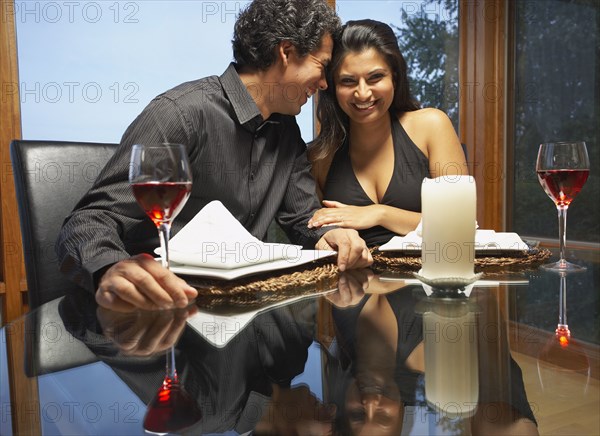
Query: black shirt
{"x": 411, "y": 166}
{"x": 257, "y": 168}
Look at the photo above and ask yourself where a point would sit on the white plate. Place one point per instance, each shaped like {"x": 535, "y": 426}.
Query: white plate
{"x": 306, "y": 256}
{"x": 486, "y": 242}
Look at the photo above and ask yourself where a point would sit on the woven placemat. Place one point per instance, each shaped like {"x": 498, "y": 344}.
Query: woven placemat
{"x": 267, "y": 288}
{"x": 263, "y": 289}
{"x": 529, "y": 259}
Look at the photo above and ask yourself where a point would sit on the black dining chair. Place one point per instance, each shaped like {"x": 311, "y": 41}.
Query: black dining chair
{"x": 50, "y": 178}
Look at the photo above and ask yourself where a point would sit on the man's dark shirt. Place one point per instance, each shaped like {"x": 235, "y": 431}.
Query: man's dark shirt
{"x": 258, "y": 169}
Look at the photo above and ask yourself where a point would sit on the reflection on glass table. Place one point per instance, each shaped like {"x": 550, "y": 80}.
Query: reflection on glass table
{"x": 564, "y": 354}
{"x": 413, "y": 363}
{"x": 368, "y": 351}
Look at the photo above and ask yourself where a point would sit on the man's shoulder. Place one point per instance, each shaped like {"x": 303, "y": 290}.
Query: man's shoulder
{"x": 200, "y": 87}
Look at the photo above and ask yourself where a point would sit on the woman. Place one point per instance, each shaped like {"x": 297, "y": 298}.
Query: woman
{"x": 376, "y": 145}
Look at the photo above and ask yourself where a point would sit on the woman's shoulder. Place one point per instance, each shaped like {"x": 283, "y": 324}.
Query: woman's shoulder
{"x": 426, "y": 115}
{"x": 426, "y": 126}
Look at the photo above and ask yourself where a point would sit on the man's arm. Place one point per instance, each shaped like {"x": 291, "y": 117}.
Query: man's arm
{"x": 107, "y": 226}
{"x": 299, "y": 204}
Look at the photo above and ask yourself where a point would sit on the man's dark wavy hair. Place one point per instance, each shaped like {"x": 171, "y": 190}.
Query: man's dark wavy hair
{"x": 262, "y": 25}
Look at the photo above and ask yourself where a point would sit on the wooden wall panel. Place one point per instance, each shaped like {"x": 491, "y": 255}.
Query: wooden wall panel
{"x": 12, "y": 272}
{"x": 482, "y": 38}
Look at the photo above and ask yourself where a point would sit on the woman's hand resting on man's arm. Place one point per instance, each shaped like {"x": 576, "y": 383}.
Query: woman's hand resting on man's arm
{"x": 351, "y": 217}
{"x": 364, "y": 217}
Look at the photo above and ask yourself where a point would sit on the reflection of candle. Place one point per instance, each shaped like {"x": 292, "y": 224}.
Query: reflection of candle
{"x": 449, "y": 220}
{"x": 451, "y": 366}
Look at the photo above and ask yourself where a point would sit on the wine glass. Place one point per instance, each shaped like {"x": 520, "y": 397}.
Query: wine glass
{"x": 161, "y": 181}
{"x": 562, "y": 169}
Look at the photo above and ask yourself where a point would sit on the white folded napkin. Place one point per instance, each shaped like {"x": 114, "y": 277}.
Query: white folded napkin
{"x": 485, "y": 240}
{"x": 215, "y": 239}
{"x": 410, "y": 241}
{"x": 218, "y": 329}
{"x": 491, "y": 240}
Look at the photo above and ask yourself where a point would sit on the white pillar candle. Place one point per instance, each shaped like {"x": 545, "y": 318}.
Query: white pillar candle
{"x": 448, "y": 207}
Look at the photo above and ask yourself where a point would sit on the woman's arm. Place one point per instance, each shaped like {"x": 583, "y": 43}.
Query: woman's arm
{"x": 364, "y": 217}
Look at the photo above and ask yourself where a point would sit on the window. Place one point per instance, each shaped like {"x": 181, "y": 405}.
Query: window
{"x": 427, "y": 33}
{"x": 556, "y": 97}
{"x": 87, "y": 69}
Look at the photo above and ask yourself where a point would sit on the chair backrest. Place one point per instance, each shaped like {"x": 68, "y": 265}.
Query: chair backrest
{"x": 50, "y": 178}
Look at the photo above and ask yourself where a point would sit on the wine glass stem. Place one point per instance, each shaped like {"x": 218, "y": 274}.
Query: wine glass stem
{"x": 562, "y": 309}
{"x": 164, "y": 231}
{"x": 171, "y": 370}
{"x": 562, "y": 231}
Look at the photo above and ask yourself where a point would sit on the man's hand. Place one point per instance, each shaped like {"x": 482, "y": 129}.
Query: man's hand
{"x": 352, "y": 250}
{"x": 143, "y": 333}
{"x": 351, "y": 287}
{"x": 142, "y": 283}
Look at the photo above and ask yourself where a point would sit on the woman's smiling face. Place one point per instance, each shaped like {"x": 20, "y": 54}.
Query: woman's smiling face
{"x": 364, "y": 86}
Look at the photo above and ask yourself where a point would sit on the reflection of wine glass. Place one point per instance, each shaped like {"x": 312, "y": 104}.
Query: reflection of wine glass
{"x": 563, "y": 365}
{"x": 172, "y": 409}
{"x": 161, "y": 180}
{"x": 562, "y": 169}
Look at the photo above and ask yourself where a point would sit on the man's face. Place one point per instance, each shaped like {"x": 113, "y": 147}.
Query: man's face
{"x": 303, "y": 77}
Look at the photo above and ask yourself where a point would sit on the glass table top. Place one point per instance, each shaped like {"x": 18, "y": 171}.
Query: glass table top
{"x": 365, "y": 352}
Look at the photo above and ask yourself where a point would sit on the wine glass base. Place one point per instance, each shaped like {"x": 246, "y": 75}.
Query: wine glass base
{"x": 562, "y": 266}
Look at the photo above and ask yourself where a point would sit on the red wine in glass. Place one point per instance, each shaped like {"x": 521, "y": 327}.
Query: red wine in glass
{"x": 161, "y": 200}
{"x": 562, "y": 169}
{"x": 562, "y": 186}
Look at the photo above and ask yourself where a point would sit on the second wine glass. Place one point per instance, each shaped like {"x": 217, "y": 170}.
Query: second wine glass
{"x": 562, "y": 169}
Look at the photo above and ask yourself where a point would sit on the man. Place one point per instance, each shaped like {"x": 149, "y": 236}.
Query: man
{"x": 245, "y": 150}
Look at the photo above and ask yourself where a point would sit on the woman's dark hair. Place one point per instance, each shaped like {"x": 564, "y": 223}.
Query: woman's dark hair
{"x": 356, "y": 37}
{"x": 265, "y": 23}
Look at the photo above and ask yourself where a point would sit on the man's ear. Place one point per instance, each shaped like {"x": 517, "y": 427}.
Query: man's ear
{"x": 284, "y": 50}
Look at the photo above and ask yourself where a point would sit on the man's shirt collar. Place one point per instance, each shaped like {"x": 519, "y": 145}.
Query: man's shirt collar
{"x": 243, "y": 104}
